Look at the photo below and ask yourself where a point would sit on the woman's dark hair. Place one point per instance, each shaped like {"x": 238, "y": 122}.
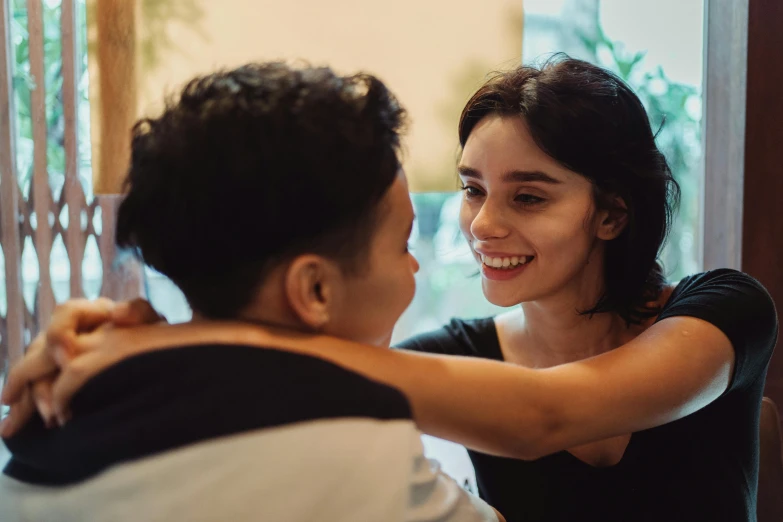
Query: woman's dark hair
{"x": 592, "y": 123}
{"x": 252, "y": 166}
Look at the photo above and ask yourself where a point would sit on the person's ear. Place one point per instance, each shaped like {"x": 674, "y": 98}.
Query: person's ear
{"x": 612, "y": 220}
{"x": 309, "y": 289}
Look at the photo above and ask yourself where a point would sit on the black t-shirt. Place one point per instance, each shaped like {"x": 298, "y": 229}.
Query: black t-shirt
{"x": 703, "y": 467}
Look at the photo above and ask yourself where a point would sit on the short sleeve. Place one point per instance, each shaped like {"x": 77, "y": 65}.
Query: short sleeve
{"x": 472, "y": 338}
{"x": 740, "y": 307}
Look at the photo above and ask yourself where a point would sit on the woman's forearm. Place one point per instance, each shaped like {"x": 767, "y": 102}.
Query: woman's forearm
{"x": 512, "y": 411}
{"x": 488, "y": 406}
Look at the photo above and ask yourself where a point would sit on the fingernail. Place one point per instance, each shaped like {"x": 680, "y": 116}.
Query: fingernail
{"x": 44, "y": 409}
{"x": 49, "y": 419}
{"x": 119, "y": 310}
{"x": 59, "y": 355}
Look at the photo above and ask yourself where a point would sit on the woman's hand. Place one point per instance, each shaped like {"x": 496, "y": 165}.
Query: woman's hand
{"x": 33, "y": 383}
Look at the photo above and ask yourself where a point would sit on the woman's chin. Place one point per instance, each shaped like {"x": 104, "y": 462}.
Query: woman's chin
{"x": 502, "y": 297}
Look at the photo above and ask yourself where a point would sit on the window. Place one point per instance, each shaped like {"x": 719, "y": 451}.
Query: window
{"x": 46, "y": 170}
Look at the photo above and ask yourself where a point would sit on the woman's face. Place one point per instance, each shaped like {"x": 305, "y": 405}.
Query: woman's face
{"x": 531, "y": 223}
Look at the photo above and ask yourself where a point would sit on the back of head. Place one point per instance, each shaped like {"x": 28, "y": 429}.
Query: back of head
{"x": 592, "y": 123}
{"x": 251, "y": 166}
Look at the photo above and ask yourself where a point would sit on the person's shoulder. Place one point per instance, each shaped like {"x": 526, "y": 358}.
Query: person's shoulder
{"x": 472, "y": 328}
{"x": 725, "y": 276}
{"x": 313, "y": 387}
{"x": 471, "y": 337}
{"x": 731, "y": 300}
{"x": 722, "y": 285}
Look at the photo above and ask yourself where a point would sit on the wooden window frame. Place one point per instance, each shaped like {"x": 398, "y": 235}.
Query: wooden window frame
{"x": 743, "y": 192}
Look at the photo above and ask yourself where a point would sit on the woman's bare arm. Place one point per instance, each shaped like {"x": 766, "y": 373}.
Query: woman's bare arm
{"x": 676, "y": 367}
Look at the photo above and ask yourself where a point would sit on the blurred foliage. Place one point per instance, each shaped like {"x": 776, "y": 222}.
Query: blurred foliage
{"x": 154, "y": 42}
{"x": 24, "y": 83}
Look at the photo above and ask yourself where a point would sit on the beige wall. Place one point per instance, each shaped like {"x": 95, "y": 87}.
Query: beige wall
{"x": 432, "y": 53}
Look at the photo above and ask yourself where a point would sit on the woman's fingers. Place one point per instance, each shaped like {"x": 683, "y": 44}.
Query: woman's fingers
{"x": 134, "y": 313}
{"x": 21, "y": 411}
{"x": 42, "y": 398}
{"x": 76, "y": 316}
{"x": 36, "y": 364}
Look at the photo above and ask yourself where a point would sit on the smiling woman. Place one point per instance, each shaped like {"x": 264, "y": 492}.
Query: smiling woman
{"x": 666, "y": 74}
{"x": 566, "y": 203}
{"x": 580, "y": 180}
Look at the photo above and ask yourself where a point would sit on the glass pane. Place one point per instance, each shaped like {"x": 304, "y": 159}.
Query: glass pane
{"x": 30, "y": 273}
{"x": 60, "y": 270}
{"x": 92, "y": 269}
{"x": 53, "y": 80}
{"x": 165, "y": 297}
{"x": 22, "y": 82}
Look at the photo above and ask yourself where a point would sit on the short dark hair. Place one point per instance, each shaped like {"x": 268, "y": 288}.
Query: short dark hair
{"x": 252, "y": 166}
{"x": 591, "y": 122}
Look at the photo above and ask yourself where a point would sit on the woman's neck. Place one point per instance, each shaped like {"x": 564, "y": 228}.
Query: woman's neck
{"x": 551, "y": 330}
{"x": 554, "y": 335}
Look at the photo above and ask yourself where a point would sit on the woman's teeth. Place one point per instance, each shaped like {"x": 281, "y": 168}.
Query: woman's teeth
{"x": 505, "y": 262}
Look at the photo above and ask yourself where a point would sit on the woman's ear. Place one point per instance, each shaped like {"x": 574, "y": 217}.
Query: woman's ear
{"x": 309, "y": 284}
{"x": 614, "y": 219}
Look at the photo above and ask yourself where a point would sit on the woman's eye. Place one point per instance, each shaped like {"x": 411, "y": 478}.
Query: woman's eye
{"x": 528, "y": 199}
{"x": 471, "y": 191}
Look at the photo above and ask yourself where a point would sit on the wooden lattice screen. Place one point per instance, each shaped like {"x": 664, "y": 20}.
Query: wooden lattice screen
{"x": 42, "y": 216}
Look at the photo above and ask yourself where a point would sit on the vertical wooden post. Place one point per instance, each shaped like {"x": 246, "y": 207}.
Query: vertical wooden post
{"x": 762, "y": 230}
{"x": 12, "y": 343}
{"x": 73, "y": 194}
{"x": 725, "y": 71}
{"x": 116, "y": 55}
{"x": 41, "y": 193}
